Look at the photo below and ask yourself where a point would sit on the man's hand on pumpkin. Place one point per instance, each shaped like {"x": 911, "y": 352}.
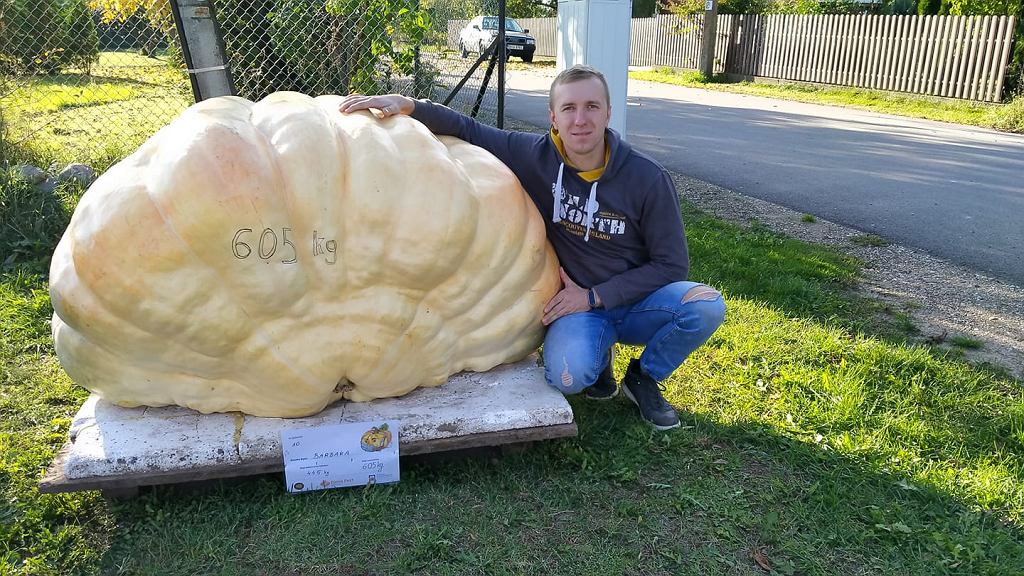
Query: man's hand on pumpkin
{"x": 380, "y": 106}
{"x": 571, "y": 298}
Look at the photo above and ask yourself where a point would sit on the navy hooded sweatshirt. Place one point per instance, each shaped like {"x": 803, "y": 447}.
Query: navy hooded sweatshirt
{"x": 621, "y": 235}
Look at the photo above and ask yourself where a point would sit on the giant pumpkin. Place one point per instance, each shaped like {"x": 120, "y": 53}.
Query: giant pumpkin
{"x": 274, "y": 257}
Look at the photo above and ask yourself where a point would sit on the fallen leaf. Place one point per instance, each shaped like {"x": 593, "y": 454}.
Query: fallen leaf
{"x": 907, "y": 485}
{"x": 761, "y": 559}
{"x": 901, "y": 527}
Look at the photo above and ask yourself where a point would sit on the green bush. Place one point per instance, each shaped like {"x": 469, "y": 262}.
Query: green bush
{"x": 313, "y": 48}
{"x": 32, "y": 222}
{"x": 43, "y": 36}
{"x": 901, "y": 7}
{"x": 385, "y": 37}
{"x": 31, "y": 36}
{"x": 256, "y": 66}
{"x": 81, "y": 42}
{"x": 1010, "y": 117}
{"x": 323, "y": 65}
{"x": 1015, "y": 69}
{"x": 773, "y": 7}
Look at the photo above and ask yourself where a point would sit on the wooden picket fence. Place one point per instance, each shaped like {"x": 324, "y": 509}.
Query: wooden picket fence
{"x": 951, "y": 56}
{"x": 545, "y": 31}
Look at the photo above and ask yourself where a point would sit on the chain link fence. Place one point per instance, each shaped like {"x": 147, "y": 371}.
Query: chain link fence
{"x": 89, "y": 80}
{"x": 343, "y": 46}
{"x": 86, "y": 80}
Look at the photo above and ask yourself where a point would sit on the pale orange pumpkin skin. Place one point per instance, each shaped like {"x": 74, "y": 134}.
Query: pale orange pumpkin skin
{"x": 408, "y": 258}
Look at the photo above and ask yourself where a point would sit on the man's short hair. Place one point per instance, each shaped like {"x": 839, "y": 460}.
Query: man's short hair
{"x": 575, "y": 74}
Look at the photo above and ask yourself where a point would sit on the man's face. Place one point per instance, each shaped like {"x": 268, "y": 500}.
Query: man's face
{"x": 580, "y": 112}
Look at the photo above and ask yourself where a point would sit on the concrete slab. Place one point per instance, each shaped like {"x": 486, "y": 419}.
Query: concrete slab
{"x": 108, "y": 440}
{"x": 114, "y": 446}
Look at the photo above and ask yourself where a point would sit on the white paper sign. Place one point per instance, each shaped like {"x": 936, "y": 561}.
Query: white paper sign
{"x": 353, "y": 454}
{"x": 709, "y": 5}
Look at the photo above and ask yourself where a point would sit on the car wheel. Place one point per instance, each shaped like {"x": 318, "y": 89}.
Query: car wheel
{"x": 527, "y": 58}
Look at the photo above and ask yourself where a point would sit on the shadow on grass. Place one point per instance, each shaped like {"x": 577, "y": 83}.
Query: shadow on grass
{"x": 801, "y": 279}
{"x": 741, "y": 486}
{"x": 762, "y": 473}
{"x": 82, "y": 80}
{"x": 710, "y": 498}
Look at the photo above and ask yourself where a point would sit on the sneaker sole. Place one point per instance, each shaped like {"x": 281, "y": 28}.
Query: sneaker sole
{"x": 656, "y": 426}
{"x": 603, "y": 398}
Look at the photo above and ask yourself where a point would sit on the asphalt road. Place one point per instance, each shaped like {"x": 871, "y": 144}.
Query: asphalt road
{"x": 952, "y": 191}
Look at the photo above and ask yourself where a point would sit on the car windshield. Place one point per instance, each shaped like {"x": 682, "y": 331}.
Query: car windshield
{"x": 491, "y": 23}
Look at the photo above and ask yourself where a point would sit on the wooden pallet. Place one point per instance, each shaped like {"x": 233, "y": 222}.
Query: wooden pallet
{"x": 127, "y": 485}
{"x": 117, "y": 450}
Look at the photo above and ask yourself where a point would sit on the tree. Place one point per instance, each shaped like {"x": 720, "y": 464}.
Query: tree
{"x": 386, "y": 36}
{"x": 157, "y": 12}
{"x": 644, "y": 8}
{"x": 32, "y": 40}
{"x": 772, "y": 6}
{"x": 81, "y": 42}
{"x": 257, "y": 65}
{"x": 443, "y": 10}
{"x": 1015, "y": 72}
{"x": 530, "y": 8}
{"x": 683, "y": 7}
{"x": 903, "y": 7}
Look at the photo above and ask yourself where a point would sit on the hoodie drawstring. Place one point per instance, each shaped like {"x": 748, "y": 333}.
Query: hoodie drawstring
{"x": 556, "y": 217}
{"x": 591, "y": 208}
{"x": 556, "y": 209}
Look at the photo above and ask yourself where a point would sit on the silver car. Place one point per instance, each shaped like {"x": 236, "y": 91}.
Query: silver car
{"x": 482, "y": 30}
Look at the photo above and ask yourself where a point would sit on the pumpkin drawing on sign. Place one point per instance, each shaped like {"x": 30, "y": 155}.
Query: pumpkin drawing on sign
{"x": 376, "y": 438}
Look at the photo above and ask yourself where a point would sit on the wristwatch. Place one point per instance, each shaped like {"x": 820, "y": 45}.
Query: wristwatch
{"x": 591, "y": 298}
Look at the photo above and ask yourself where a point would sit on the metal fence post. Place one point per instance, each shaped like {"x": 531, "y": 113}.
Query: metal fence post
{"x": 203, "y": 49}
{"x": 502, "y": 57}
{"x": 707, "y": 50}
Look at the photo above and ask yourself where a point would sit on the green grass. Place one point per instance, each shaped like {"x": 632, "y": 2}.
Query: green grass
{"x": 962, "y": 341}
{"x": 50, "y": 94}
{"x": 869, "y": 240}
{"x": 539, "y": 62}
{"x": 809, "y": 218}
{"x": 1008, "y": 117}
{"x": 814, "y": 439}
{"x": 95, "y": 119}
{"x": 30, "y": 222}
{"x": 826, "y": 449}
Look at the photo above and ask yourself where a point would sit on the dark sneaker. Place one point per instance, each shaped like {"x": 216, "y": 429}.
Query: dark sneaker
{"x": 605, "y": 387}
{"x": 645, "y": 392}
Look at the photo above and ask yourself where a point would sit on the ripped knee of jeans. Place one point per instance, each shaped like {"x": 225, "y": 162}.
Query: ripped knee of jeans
{"x": 567, "y": 379}
{"x": 701, "y": 293}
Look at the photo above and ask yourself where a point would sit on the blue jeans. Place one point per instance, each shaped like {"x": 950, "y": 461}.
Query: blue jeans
{"x": 672, "y": 322}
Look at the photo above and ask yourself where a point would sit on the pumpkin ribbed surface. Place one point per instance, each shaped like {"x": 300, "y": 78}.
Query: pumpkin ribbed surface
{"x": 274, "y": 257}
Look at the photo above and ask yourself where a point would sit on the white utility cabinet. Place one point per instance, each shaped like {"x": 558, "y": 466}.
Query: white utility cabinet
{"x": 596, "y": 33}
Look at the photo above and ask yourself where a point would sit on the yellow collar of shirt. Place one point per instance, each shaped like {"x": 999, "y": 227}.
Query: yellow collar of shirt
{"x": 589, "y": 175}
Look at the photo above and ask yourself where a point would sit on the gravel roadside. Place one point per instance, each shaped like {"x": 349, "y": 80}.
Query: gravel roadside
{"x": 942, "y": 300}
